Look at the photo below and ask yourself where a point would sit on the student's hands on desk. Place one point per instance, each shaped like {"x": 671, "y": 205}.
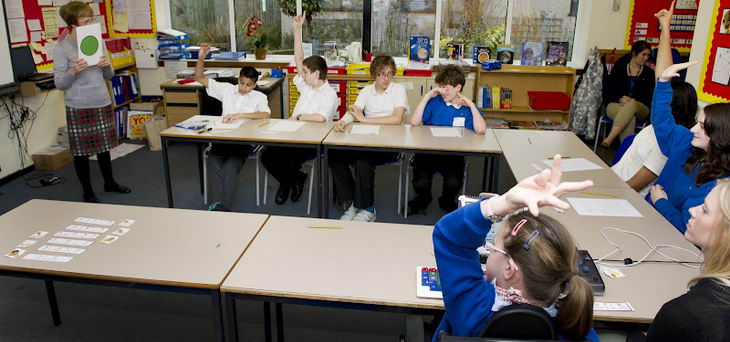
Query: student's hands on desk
{"x": 536, "y": 191}
{"x": 232, "y": 117}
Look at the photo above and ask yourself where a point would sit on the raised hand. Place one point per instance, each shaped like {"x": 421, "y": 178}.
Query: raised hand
{"x": 204, "y": 49}
{"x": 665, "y": 16}
{"x": 298, "y": 21}
{"x": 674, "y": 69}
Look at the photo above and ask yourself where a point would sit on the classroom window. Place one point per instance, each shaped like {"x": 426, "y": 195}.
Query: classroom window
{"x": 394, "y": 22}
{"x": 276, "y": 27}
{"x": 339, "y": 21}
{"x": 203, "y": 21}
{"x": 472, "y": 22}
{"x": 542, "y": 21}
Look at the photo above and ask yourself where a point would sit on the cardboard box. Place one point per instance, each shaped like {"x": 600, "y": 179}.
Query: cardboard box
{"x": 138, "y": 114}
{"x": 52, "y": 158}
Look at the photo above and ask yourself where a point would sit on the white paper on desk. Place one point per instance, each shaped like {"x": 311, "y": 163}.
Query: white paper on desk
{"x": 446, "y": 132}
{"x": 219, "y": 124}
{"x": 365, "y": 129}
{"x": 612, "y": 306}
{"x": 285, "y": 126}
{"x": 70, "y": 242}
{"x": 603, "y": 207}
{"x": 59, "y": 249}
{"x": 262, "y": 83}
{"x": 45, "y": 257}
{"x": 573, "y": 164}
{"x": 87, "y": 229}
{"x": 74, "y": 235}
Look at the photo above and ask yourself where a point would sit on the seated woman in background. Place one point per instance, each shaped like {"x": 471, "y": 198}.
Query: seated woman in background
{"x": 629, "y": 92}
{"x": 643, "y": 161}
{"x": 697, "y": 158}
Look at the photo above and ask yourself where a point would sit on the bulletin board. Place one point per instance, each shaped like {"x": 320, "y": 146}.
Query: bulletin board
{"x": 132, "y": 18}
{"x": 642, "y": 25}
{"x": 715, "y": 75}
{"x": 37, "y": 23}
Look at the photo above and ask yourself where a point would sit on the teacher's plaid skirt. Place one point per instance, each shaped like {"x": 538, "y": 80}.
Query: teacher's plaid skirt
{"x": 91, "y": 130}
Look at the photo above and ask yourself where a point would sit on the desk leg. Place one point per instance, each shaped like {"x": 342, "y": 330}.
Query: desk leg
{"x": 218, "y": 327}
{"x": 231, "y": 319}
{"x": 200, "y": 167}
{"x": 279, "y": 323}
{"x": 53, "y": 303}
{"x": 324, "y": 192}
{"x": 267, "y": 321}
{"x": 166, "y": 167}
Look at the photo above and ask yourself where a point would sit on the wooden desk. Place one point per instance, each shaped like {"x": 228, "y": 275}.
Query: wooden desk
{"x": 407, "y": 138}
{"x": 587, "y": 229}
{"x": 526, "y": 149}
{"x": 310, "y": 135}
{"x": 166, "y": 249}
{"x": 363, "y": 265}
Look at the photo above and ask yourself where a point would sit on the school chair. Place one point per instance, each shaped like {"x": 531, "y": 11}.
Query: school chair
{"x": 606, "y": 121}
{"x": 517, "y": 322}
{"x": 312, "y": 163}
{"x": 625, "y": 144}
{"x": 408, "y": 173}
{"x": 253, "y": 155}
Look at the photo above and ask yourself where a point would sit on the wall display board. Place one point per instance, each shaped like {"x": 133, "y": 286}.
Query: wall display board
{"x": 715, "y": 75}
{"x": 132, "y": 18}
{"x": 642, "y": 25}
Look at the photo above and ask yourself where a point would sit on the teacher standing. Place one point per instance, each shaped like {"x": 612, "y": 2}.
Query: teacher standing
{"x": 89, "y": 111}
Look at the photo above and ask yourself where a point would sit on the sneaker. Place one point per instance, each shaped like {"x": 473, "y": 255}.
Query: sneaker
{"x": 364, "y": 216}
{"x": 217, "y": 206}
{"x": 349, "y": 214}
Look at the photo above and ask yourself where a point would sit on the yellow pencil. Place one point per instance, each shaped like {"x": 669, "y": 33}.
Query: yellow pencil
{"x": 561, "y": 157}
{"x": 325, "y": 227}
{"x": 263, "y": 124}
{"x": 598, "y": 194}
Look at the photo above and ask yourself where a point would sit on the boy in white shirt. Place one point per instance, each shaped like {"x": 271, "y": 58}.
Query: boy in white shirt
{"x": 317, "y": 103}
{"x": 238, "y": 102}
{"x": 383, "y": 102}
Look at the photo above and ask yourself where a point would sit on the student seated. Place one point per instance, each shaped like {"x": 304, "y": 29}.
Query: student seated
{"x": 703, "y": 313}
{"x": 696, "y": 157}
{"x": 385, "y": 103}
{"x": 238, "y": 102}
{"x": 444, "y": 105}
{"x": 643, "y": 161}
{"x": 318, "y": 103}
{"x": 533, "y": 260}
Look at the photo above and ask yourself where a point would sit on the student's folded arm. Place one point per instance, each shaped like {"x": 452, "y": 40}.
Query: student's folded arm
{"x": 468, "y": 297}
{"x": 255, "y": 115}
{"x": 315, "y": 117}
{"x": 393, "y": 119}
{"x": 641, "y": 179}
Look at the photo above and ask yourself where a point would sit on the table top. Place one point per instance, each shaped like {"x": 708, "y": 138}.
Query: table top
{"x": 646, "y": 287}
{"x": 174, "y": 247}
{"x": 526, "y": 149}
{"x": 312, "y": 133}
{"x": 416, "y": 138}
{"x": 288, "y": 259}
{"x": 653, "y": 226}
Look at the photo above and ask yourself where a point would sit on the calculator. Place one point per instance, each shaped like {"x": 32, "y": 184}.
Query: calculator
{"x": 428, "y": 282}
{"x": 588, "y": 270}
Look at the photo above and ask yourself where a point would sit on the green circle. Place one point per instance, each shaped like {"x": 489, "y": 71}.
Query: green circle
{"x": 89, "y": 45}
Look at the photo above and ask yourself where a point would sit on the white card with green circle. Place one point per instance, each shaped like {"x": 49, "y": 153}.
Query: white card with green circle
{"x": 90, "y": 44}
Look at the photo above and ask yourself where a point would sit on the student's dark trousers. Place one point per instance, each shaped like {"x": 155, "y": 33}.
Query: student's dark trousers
{"x": 450, "y": 167}
{"x": 360, "y": 188}
{"x": 284, "y": 162}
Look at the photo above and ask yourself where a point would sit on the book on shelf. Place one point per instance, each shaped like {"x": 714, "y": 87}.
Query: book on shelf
{"x": 506, "y": 53}
{"x": 419, "y": 49}
{"x": 480, "y": 54}
{"x": 532, "y": 53}
{"x": 557, "y": 53}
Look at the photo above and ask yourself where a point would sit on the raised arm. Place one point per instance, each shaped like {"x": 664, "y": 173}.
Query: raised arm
{"x": 664, "y": 53}
{"x": 199, "y": 75}
{"x": 296, "y": 26}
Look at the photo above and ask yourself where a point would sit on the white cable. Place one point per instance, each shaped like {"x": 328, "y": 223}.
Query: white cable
{"x": 653, "y": 249}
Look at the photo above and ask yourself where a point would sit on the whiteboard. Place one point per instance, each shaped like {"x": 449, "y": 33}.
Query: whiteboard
{"x": 7, "y": 77}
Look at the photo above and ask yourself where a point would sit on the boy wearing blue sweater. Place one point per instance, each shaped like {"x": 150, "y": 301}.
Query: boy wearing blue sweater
{"x": 444, "y": 105}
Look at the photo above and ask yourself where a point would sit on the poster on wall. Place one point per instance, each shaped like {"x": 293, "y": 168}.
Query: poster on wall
{"x": 715, "y": 75}
{"x": 643, "y": 26}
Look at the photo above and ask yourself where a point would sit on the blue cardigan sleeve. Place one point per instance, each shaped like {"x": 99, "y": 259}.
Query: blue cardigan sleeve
{"x": 674, "y": 216}
{"x": 668, "y": 133}
{"x": 468, "y": 297}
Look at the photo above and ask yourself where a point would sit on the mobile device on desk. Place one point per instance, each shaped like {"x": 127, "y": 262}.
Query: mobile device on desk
{"x": 588, "y": 270}
{"x": 428, "y": 282}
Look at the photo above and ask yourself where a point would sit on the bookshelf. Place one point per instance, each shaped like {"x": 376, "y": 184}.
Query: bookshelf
{"x": 123, "y": 92}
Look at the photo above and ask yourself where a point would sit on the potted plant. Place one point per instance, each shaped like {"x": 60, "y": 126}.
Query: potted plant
{"x": 289, "y": 7}
{"x": 256, "y": 38}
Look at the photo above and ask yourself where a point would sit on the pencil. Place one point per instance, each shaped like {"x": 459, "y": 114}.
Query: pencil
{"x": 598, "y": 194}
{"x": 263, "y": 123}
{"x": 561, "y": 157}
{"x": 325, "y": 227}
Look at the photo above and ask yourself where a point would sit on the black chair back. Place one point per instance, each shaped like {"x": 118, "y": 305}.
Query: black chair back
{"x": 444, "y": 337}
{"x": 210, "y": 105}
{"x": 520, "y": 321}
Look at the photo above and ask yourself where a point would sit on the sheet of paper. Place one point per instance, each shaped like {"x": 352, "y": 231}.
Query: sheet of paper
{"x": 285, "y": 126}
{"x": 94, "y": 221}
{"x": 14, "y": 9}
{"x": 445, "y": 132}
{"x": 172, "y": 67}
{"x": 121, "y": 21}
{"x": 721, "y": 69}
{"x": 74, "y": 235}
{"x": 219, "y": 124}
{"x": 573, "y": 164}
{"x": 34, "y": 25}
{"x": 121, "y": 231}
{"x": 121, "y": 150}
{"x": 87, "y": 229}
{"x": 51, "y": 49}
{"x": 603, "y": 207}
{"x": 119, "y": 5}
{"x": 50, "y": 22}
{"x": 15, "y": 253}
{"x": 262, "y": 83}
{"x": 60, "y": 2}
{"x": 35, "y": 36}
{"x": 102, "y": 20}
{"x": 89, "y": 43}
{"x": 27, "y": 243}
{"x": 141, "y": 20}
{"x": 70, "y": 242}
{"x": 612, "y": 306}
{"x": 16, "y": 30}
{"x": 45, "y": 2}
{"x": 95, "y": 8}
{"x": 38, "y": 235}
{"x": 126, "y": 223}
{"x": 365, "y": 129}
{"x": 37, "y": 59}
{"x": 46, "y": 257}
{"x": 59, "y": 249}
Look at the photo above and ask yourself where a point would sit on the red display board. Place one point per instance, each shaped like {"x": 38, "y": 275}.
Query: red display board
{"x": 642, "y": 25}
{"x": 39, "y": 32}
{"x": 715, "y": 76}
